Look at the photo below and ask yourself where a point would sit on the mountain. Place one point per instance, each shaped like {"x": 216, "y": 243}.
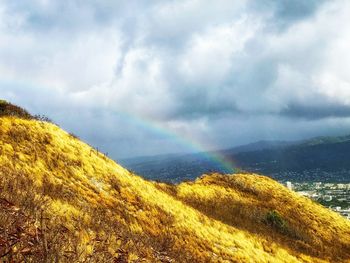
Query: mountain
{"x": 317, "y": 159}
{"x": 63, "y": 201}
{"x": 258, "y": 146}
{"x": 326, "y": 140}
{"x": 173, "y": 168}
{"x": 320, "y": 159}
{"x": 179, "y": 167}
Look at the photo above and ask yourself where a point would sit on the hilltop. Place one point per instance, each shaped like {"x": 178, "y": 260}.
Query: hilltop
{"x": 61, "y": 200}
{"x": 8, "y": 109}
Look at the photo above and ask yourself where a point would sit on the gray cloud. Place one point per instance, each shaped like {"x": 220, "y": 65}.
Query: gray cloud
{"x": 209, "y": 71}
{"x": 286, "y": 12}
{"x": 314, "y": 112}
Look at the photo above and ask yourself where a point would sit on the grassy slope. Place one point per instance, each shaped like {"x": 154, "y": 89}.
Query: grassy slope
{"x": 76, "y": 205}
{"x": 299, "y": 223}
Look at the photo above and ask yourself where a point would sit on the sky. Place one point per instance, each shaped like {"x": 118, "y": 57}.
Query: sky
{"x": 137, "y": 78}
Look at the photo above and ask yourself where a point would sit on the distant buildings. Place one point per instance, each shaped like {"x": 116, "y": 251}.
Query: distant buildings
{"x": 310, "y": 194}
{"x": 327, "y": 198}
{"x": 335, "y": 196}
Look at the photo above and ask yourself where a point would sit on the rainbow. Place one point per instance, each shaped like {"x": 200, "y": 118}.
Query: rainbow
{"x": 226, "y": 165}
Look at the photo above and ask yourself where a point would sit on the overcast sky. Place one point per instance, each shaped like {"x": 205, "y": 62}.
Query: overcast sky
{"x": 131, "y": 76}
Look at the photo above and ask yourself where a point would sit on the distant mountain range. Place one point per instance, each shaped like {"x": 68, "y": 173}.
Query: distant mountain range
{"x": 317, "y": 159}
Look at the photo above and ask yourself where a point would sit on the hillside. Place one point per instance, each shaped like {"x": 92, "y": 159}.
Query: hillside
{"x": 63, "y": 201}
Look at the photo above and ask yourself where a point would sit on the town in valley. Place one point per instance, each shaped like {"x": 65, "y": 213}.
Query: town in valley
{"x": 335, "y": 196}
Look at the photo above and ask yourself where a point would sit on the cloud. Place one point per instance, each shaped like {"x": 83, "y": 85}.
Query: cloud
{"x": 211, "y": 71}
{"x": 284, "y": 13}
{"x": 317, "y": 111}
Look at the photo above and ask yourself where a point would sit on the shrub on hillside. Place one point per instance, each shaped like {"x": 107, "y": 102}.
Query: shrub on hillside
{"x": 274, "y": 219}
{"x": 42, "y": 118}
{"x": 8, "y": 109}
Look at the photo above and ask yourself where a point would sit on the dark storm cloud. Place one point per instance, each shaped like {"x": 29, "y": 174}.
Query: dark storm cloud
{"x": 315, "y": 112}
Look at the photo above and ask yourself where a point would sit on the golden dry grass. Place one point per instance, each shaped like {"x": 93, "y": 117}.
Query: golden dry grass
{"x": 76, "y": 205}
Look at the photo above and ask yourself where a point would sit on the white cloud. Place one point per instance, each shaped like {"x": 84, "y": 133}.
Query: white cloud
{"x": 191, "y": 66}
{"x": 208, "y": 58}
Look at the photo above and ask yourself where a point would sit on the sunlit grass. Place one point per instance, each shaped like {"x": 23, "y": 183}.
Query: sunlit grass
{"x": 94, "y": 209}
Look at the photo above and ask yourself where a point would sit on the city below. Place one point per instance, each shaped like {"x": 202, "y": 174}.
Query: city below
{"x": 335, "y": 196}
